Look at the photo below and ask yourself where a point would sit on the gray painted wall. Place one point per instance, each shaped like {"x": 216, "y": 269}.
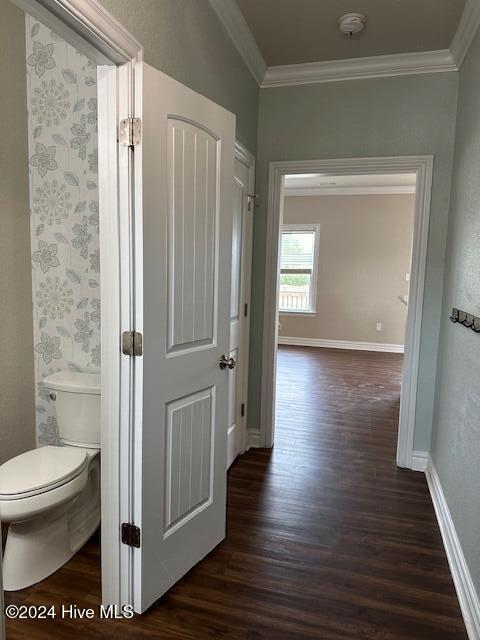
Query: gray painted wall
{"x": 17, "y": 429}
{"x": 456, "y": 431}
{"x": 410, "y": 115}
{"x": 185, "y": 39}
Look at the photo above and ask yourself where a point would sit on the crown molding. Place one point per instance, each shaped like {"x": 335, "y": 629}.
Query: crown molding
{"x": 88, "y": 26}
{"x": 466, "y": 30}
{"x": 237, "y": 28}
{"x": 290, "y": 192}
{"x": 399, "y": 64}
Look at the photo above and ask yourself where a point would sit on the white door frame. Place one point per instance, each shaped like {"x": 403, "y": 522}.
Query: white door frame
{"x": 86, "y": 25}
{"x": 247, "y": 159}
{"x": 423, "y": 167}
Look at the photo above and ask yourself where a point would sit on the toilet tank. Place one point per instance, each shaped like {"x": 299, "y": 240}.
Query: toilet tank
{"x": 77, "y": 402}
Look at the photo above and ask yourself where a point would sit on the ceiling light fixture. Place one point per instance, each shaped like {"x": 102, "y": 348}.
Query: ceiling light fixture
{"x": 352, "y": 23}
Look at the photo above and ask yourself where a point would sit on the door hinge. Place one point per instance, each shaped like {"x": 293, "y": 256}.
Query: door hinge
{"x": 251, "y": 199}
{"x": 130, "y": 535}
{"x": 132, "y": 343}
{"x": 246, "y": 309}
{"x": 242, "y": 409}
{"x": 130, "y": 132}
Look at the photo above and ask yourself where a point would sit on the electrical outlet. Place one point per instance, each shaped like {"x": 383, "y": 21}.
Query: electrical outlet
{"x": 407, "y": 277}
{"x": 379, "y": 326}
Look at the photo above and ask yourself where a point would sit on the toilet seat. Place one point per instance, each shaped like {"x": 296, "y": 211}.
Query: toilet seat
{"x": 40, "y": 470}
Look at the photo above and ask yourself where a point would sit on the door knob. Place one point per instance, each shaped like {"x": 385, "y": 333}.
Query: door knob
{"x": 225, "y": 362}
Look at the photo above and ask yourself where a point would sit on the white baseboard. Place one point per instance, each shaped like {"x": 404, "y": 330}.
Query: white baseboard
{"x": 341, "y": 344}
{"x": 419, "y": 460}
{"x": 254, "y": 438}
{"x": 466, "y": 593}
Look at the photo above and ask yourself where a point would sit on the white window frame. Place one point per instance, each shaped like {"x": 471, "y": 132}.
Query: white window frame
{"x": 313, "y": 283}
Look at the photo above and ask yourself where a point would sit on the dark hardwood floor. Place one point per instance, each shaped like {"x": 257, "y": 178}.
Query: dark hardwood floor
{"x": 326, "y": 538}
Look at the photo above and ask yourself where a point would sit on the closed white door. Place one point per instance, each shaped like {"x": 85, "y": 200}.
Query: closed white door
{"x": 183, "y": 228}
{"x": 239, "y": 308}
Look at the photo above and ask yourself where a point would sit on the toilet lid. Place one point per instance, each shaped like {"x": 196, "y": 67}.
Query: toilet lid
{"x": 36, "y": 471}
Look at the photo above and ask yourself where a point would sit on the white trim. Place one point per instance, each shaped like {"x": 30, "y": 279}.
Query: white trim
{"x": 398, "y": 64}
{"x": 237, "y": 28}
{"x": 254, "y": 438}
{"x": 340, "y": 344}
{"x": 243, "y": 155}
{"x": 315, "y": 228}
{"x": 248, "y": 160}
{"x": 413, "y": 329}
{"x": 349, "y": 191}
{"x": 466, "y": 30}
{"x": 87, "y": 25}
{"x": 419, "y": 460}
{"x": 297, "y": 314}
{"x": 110, "y": 318}
{"x": 464, "y": 585}
{"x": 114, "y": 103}
{"x": 422, "y": 166}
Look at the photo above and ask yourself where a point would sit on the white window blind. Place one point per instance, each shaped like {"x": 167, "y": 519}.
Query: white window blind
{"x": 297, "y": 264}
{"x": 297, "y": 252}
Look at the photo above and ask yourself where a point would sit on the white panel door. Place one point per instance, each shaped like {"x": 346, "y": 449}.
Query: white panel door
{"x": 184, "y": 172}
{"x": 239, "y": 303}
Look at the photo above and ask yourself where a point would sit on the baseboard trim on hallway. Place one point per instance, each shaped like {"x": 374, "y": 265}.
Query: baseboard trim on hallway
{"x": 340, "y": 344}
{"x": 466, "y": 593}
{"x": 419, "y": 460}
{"x": 254, "y": 438}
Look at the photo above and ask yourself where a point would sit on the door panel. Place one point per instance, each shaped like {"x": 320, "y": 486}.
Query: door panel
{"x": 241, "y": 240}
{"x": 183, "y": 226}
{"x": 193, "y": 183}
{"x": 189, "y": 458}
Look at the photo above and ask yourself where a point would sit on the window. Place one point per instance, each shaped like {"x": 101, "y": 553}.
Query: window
{"x": 298, "y": 264}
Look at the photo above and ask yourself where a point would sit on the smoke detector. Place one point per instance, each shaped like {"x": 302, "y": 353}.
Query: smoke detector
{"x": 352, "y": 23}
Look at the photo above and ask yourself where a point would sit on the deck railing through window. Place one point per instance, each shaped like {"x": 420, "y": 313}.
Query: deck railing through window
{"x": 294, "y": 300}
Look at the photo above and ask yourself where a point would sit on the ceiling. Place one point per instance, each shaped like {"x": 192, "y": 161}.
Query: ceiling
{"x": 321, "y": 184}
{"x": 302, "y": 31}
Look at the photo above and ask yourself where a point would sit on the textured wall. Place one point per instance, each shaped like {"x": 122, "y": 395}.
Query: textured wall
{"x": 364, "y": 254}
{"x": 62, "y": 140}
{"x": 185, "y": 39}
{"x": 456, "y": 432}
{"x": 408, "y": 115}
{"x": 17, "y": 428}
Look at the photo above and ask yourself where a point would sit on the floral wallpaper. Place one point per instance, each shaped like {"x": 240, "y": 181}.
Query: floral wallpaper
{"x": 62, "y": 124}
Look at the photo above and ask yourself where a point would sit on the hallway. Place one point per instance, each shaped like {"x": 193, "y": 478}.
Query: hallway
{"x": 326, "y": 538}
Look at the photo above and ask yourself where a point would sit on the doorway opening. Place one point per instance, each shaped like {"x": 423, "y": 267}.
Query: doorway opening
{"x": 344, "y": 271}
{"x": 321, "y": 292}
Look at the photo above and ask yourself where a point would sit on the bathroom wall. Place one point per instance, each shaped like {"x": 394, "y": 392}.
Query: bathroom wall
{"x": 17, "y": 410}
{"x": 364, "y": 254}
{"x": 62, "y": 163}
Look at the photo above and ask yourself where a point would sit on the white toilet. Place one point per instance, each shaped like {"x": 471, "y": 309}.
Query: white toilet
{"x": 51, "y": 496}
